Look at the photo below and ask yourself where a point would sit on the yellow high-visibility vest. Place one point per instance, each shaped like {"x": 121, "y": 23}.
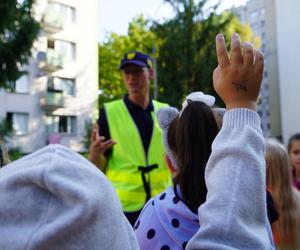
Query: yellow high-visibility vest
{"x": 128, "y": 154}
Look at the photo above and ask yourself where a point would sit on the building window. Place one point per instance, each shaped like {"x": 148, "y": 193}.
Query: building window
{"x": 254, "y": 16}
{"x": 66, "y": 49}
{"x": 70, "y": 15}
{"x": 61, "y": 124}
{"x": 255, "y": 27}
{"x": 18, "y": 122}
{"x": 266, "y": 88}
{"x": 68, "y": 12}
{"x": 260, "y": 113}
{"x": 67, "y": 85}
{"x": 21, "y": 85}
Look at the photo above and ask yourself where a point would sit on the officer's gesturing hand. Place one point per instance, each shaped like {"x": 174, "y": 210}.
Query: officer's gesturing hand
{"x": 98, "y": 147}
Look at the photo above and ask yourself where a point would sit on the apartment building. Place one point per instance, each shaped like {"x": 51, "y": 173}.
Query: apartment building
{"x": 58, "y": 95}
{"x": 261, "y": 15}
{"x": 288, "y": 43}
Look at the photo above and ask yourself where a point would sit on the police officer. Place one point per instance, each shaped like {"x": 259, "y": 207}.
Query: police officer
{"x": 127, "y": 142}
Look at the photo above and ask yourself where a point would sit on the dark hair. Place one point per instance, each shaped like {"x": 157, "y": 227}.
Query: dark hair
{"x": 292, "y": 139}
{"x": 190, "y": 137}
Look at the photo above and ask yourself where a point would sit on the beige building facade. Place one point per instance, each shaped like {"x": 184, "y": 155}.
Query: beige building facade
{"x": 279, "y": 32}
{"x": 288, "y": 44}
{"x": 58, "y": 95}
{"x": 261, "y": 16}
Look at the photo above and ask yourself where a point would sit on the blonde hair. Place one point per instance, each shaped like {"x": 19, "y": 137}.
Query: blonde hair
{"x": 4, "y": 159}
{"x": 279, "y": 182}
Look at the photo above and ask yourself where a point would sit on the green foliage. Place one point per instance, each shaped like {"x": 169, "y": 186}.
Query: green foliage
{"x": 84, "y": 154}
{"x": 139, "y": 38}
{"x": 5, "y": 130}
{"x": 187, "y": 54}
{"x": 18, "y": 30}
{"x": 185, "y": 47}
{"x": 15, "y": 154}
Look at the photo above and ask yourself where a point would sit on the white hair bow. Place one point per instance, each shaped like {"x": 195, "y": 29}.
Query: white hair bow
{"x": 198, "y": 96}
{"x": 165, "y": 116}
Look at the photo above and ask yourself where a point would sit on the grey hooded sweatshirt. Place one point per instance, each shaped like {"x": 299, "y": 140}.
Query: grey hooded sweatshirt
{"x": 56, "y": 199}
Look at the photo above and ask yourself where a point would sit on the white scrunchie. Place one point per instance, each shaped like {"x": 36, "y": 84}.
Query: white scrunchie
{"x": 165, "y": 117}
{"x": 199, "y": 96}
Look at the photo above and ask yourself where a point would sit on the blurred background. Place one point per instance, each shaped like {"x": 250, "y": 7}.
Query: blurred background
{"x": 59, "y": 60}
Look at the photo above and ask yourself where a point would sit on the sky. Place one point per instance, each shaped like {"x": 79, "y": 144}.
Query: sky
{"x": 115, "y": 15}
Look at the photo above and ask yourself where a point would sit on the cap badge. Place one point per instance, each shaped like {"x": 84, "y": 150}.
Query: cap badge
{"x": 130, "y": 56}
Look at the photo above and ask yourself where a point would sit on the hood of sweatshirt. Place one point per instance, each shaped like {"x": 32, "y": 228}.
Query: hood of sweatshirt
{"x": 56, "y": 199}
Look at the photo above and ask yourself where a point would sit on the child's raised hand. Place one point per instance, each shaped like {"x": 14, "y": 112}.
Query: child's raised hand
{"x": 238, "y": 77}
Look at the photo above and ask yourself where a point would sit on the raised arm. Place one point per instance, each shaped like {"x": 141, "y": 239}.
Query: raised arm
{"x": 234, "y": 214}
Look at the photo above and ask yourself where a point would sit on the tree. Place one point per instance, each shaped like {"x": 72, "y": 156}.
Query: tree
{"x": 185, "y": 50}
{"x": 187, "y": 54}
{"x": 5, "y": 130}
{"x": 139, "y": 38}
{"x": 18, "y": 30}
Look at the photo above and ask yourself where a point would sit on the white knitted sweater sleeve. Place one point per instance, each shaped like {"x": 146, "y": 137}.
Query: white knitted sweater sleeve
{"x": 234, "y": 214}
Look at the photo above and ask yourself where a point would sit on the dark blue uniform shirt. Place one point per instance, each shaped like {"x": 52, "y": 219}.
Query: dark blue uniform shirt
{"x": 142, "y": 119}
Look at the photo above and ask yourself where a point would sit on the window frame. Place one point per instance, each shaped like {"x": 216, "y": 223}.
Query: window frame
{"x": 11, "y": 123}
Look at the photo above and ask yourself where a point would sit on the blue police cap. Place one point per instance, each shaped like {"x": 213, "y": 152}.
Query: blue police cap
{"x": 136, "y": 58}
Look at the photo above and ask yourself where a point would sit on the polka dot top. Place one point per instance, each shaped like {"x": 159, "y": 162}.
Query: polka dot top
{"x": 165, "y": 223}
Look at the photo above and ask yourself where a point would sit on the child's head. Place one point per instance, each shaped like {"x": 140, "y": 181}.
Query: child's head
{"x": 188, "y": 143}
{"x": 280, "y": 184}
{"x": 294, "y": 151}
{"x": 278, "y": 167}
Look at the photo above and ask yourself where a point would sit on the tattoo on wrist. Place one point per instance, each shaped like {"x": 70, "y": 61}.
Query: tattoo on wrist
{"x": 240, "y": 86}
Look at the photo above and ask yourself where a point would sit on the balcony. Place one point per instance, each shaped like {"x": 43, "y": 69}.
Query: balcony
{"x": 50, "y": 61}
{"x": 54, "y": 99}
{"x": 52, "y": 21}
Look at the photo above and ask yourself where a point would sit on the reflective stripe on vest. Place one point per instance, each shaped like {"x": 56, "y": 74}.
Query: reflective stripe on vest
{"x": 128, "y": 154}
